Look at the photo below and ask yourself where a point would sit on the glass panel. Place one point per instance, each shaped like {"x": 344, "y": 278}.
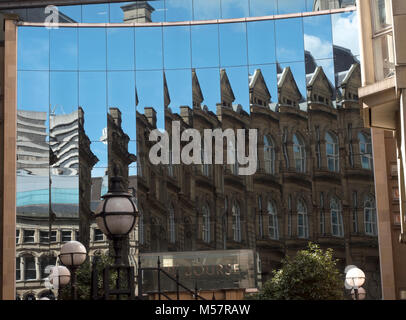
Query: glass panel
{"x": 64, "y": 99}
{"x": 92, "y": 99}
{"x": 206, "y": 10}
{"x": 158, "y": 14}
{"x": 92, "y": 49}
{"x": 120, "y": 48}
{"x": 176, "y": 47}
{"x": 121, "y": 98}
{"x": 207, "y": 82}
{"x": 179, "y": 88}
{"x": 148, "y": 48}
{"x": 237, "y": 78}
{"x": 261, "y": 42}
{"x": 179, "y": 10}
{"x": 382, "y": 16}
{"x": 233, "y": 44}
{"x": 231, "y": 9}
{"x": 384, "y": 57}
{"x": 71, "y": 13}
{"x": 32, "y": 106}
{"x": 150, "y": 95}
{"x": 33, "y": 48}
{"x": 95, "y": 13}
{"x": 289, "y": 40}
{"x": 345, "y": 36}
{"x": 32, "y": 196}
{"x": 262, "y": 8}
{"x": 317, "y": 36}
{"x": 205, "y": 46}
{"x": 292, "y": 93}
{"x": 263, "y": 86}
{"x": 291, "y": 6}
{"x": 64, "y": 49}
{"x": 320, "y": 81}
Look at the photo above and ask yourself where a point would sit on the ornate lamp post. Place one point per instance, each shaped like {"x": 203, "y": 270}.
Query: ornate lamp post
{"x": 59, "y": 277}
{"x": 72, "y": 255}
{"x": 116, "y": 216}
{"x": 354, "y": 280}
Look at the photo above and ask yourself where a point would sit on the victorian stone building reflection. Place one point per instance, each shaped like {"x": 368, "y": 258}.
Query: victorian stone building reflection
{"x": 314, "y": 180}
{"x": 313, "y": 183}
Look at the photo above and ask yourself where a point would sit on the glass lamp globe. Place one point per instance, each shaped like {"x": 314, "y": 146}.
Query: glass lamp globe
{"x": 72, "y": 254}
{"x": 116, "y": 214}
{"x": 355, "y": 278}
{"x": 60, "y": 276}
{"x": 361, "y": 293}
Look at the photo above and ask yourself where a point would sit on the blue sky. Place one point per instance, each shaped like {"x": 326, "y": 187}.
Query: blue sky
{"x": 98, "y": 68}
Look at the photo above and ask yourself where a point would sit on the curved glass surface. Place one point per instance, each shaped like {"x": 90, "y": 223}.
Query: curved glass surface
{"x": 90, "y": 97}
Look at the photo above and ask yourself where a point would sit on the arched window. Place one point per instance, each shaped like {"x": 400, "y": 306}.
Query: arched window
{"x": 370, "y": 216}
{"x": 171, "y": 224}
{"x": 336, "y": 218}
{"x": 302, "y": 220}
{"x": 299, "y": 153}
{"x": 269, "y": 155}
{"x": 30, "y": 272}
{"x": 272, "y": 221}
{"x": 332, "y": 152}
{"x": 236, "y": 222}
{"x": 365, "y": 150}
{"x": 206, "y": 224}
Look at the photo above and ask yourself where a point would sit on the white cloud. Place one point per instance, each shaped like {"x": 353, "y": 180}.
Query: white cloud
{"x": 345, "y": 31}
{"x": 318, "y": 48}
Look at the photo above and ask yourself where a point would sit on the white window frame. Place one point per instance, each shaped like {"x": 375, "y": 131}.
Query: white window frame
{"x": 332, "y": 158}
{"x": 370, "y": 222}
{"x": 273, "y": 228}
{"x": 269, "y": 154}
{"x": 337, "y": 229}
{"x": 365, "y": 150}
{"x": 302, "y": 220}
{"x": 299, "y": 153}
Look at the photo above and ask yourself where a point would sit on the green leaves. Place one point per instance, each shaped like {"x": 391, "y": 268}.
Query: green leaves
{"x": 311, "y": 275}
{"x": 84, "y": 275}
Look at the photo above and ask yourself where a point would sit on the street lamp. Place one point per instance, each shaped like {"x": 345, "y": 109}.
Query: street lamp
{"x": 59, "y": 277}
{"x": 361, "y": 294}
{"x": 354, "y": 279}
{"x": 116, "y": 216}
{"x": 72, "y": 255}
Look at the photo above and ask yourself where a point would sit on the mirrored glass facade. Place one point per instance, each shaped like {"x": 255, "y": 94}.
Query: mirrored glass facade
{"x": 89, "y": 98}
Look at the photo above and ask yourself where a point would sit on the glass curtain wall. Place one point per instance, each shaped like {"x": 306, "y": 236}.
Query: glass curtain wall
{"x": 90, "y": 97}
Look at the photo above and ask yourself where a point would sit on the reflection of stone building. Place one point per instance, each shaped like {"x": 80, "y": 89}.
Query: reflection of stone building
{"x": 314, "y": 181}
{"x": 139, "y": 12}
{"x": 64, "y": 135}
{"x": 53, "y": 211}
{"x": 32, "y": 145}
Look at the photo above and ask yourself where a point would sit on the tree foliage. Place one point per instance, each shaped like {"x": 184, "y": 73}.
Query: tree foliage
{"x": 84, "y": 276}
{"x": 311, "y": 275}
